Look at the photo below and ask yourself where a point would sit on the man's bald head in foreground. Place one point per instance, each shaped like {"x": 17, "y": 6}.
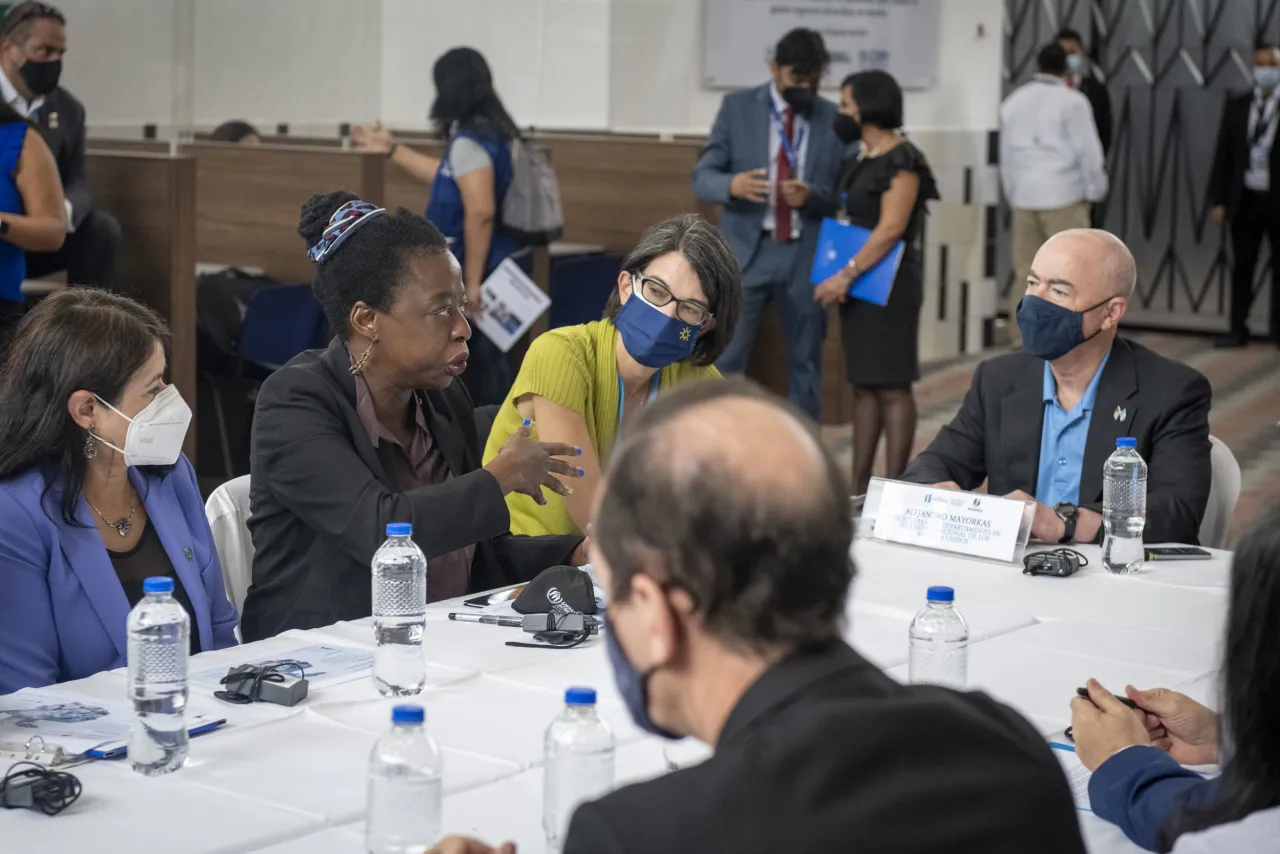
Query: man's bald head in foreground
{"x": 724, "y": 491}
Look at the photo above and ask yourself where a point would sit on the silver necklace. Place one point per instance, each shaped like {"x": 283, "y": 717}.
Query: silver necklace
{"x": 122, "y": 526}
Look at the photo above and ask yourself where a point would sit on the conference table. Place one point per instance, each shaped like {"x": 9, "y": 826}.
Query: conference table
{"x": 292, "y": 780}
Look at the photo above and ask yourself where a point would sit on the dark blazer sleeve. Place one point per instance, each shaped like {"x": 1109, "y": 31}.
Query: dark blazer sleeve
{"x": 311, "y": 466}
{"x": 712, "y": 174}
{"x": 1100, "y": 100}
{"x": 1179, "y": 470}
{"x": 958, "y": 453}
{"x": 75, "y": 177}
{"x": 1140, "y": 788}
{"x": 823, "y": 198}
{"x": 1220, "y": 174}
{"x": 589, "y": 833}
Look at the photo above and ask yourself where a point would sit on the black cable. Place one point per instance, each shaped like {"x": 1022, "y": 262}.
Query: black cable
{"x": 240, "y": 693}
{"x": 554, "y": 640}
{"x": 1059, "y": 562}
{"x": 38, "y": 788}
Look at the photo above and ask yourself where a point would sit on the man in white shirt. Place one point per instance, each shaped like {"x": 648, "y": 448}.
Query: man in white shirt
{"x": 33, "y": 38}
{"x": 1051, "y": 163}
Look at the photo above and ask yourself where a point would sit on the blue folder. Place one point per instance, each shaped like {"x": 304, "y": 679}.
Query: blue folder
{"x": 837, "y": 243}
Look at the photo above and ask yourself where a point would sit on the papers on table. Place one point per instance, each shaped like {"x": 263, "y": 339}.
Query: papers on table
{"x": 1078, "y": 776}
{"x": 512, "y": 302}
{"x": 72, "y": 724}
{"x": 323, "y": 666}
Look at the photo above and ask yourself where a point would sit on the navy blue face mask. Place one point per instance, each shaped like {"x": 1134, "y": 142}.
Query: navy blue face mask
{"x": 632, "y": 684}
{"x": 1051, "y": 331}
{"x": 651, "y": 337}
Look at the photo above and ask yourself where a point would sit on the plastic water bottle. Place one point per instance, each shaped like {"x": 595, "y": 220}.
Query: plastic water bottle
{"x": 1124, "y": 507}
{"x": 939, "y": 643}
{"x": 579, "y": 763}
{"x": 159, "y": 646}
{"x": 406, "y": 788}
{"x": 399, "y": 613}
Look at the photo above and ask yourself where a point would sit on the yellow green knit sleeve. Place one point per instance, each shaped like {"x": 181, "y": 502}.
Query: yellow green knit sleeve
{"x": 555, "y": 367}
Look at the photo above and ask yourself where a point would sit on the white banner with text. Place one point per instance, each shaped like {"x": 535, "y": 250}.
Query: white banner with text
{"x": 982, "y": 526}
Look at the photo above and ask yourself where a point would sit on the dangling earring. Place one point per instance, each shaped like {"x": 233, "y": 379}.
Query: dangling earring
{"x": 90, "y": 446}
{"x": 364, "y": 357}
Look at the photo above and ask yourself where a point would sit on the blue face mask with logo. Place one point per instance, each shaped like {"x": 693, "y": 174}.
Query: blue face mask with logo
{"x": 1049, "y": 330}
{"x": 651, "y": 337}
{"x": 632, "y": 684}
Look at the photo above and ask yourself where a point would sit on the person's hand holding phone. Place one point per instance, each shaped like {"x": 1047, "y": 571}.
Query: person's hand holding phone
{"x": 1102, "y": 726}
{"x": 751, "y": 186}
{"x": 1178, "y": 725}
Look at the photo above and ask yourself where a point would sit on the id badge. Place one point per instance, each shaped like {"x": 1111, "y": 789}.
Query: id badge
{"x": 1259, "y": 157}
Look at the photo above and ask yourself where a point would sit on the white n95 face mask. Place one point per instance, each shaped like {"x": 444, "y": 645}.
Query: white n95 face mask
{"x": 156, "y": 433}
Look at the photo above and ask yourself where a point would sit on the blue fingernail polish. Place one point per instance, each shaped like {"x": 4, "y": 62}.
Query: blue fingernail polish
{"x": 579, "y": 452}
{"x": 582, "y": 473}
{"x": 526, "y": 423}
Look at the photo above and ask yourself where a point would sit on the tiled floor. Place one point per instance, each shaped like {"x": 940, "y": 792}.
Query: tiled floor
{"x": 1246, "y": 409}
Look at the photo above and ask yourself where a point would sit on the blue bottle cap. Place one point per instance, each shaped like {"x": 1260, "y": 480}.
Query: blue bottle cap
{"x": 941, "y": 594}
{"x": 399, "y": 529}
{"x": 408, "y": 715}
{"x": 580, "y": 696}
{"x": 1126, "y": 442}
{"x": 158, "y": 584}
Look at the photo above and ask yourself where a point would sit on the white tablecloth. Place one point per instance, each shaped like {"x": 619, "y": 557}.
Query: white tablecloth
{"x": 291, "y": 781}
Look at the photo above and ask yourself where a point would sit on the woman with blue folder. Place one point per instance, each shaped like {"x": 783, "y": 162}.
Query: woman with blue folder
{"x": 883, "y": 190}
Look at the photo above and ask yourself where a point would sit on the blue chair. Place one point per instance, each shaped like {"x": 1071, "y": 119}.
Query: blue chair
{"x": 280, "y": 321}
{"x": 580, "y": 286}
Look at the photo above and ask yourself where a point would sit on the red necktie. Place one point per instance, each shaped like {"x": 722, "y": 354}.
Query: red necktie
{"x": 782, "y": 210}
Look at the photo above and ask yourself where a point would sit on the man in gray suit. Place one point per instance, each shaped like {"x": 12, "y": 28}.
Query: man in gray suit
{"x": 772, "y": 160}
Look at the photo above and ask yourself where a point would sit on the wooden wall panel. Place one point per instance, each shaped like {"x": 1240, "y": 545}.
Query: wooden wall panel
{"x": 613, "y": 187}
{"x": 250, "y": 198}
{"x": 154, "y": 198}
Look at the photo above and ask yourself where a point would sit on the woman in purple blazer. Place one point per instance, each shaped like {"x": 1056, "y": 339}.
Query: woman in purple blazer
{"x": 95, "y": 494}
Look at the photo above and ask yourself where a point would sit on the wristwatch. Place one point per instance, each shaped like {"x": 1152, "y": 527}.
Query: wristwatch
{"x": 1068, "y": 513}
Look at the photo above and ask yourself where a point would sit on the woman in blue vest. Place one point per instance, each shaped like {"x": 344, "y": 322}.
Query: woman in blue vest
{"x": 33, "y": 213}
{"x": 468, "y": 184}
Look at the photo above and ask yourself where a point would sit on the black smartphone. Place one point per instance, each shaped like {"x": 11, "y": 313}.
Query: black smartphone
{"x": 1177, "y": 553}
{"x": 488, "y": 599}
{"x": 1084, "y": 692}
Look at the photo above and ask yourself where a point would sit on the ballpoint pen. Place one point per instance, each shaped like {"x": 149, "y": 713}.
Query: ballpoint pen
{"x": 488, "y": 620}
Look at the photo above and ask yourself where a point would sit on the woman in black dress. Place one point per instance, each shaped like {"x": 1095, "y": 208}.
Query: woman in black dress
{"x": 883, "y": 188}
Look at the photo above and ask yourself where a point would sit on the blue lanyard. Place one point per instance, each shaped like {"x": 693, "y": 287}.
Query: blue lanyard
{"x": 792, "y": 150}
{"x": 622, "y": 399}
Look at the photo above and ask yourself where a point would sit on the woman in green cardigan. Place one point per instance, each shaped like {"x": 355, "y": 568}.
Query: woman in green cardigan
{"x": 671, "y": 317}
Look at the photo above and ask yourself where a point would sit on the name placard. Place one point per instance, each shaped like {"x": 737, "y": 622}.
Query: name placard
{"x": 984, "y": 526}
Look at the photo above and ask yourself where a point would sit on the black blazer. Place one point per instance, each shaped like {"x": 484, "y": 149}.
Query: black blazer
{"x": 61, "y": 123}
{"x": 320, "y": 501}
{"x": 1231, "y": 154}
{"x": 996, "y": 434}
{"x": 1100, "y": 101}
{"x": 824, "y": 753}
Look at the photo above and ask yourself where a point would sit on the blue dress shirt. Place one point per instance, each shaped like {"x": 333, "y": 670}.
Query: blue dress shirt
{"x": 1062, "y": 441}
